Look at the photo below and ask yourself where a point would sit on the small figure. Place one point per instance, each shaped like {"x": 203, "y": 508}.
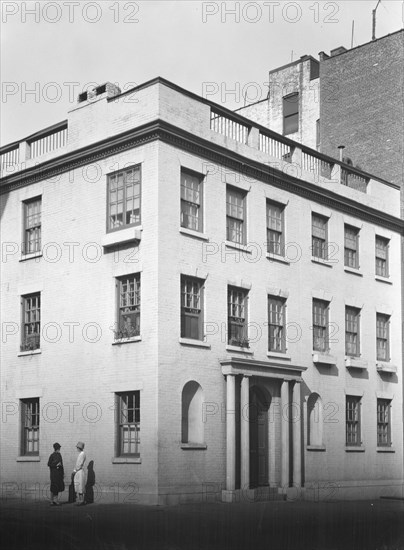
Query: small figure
{"x": 79, "y": 475}
{"x": 57, "y": 474}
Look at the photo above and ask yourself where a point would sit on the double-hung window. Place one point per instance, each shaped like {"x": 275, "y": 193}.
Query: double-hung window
{"x": 320, "y": 325}
{"x": 32, "y": 225}
{"x": 237, "y": 317}
{"x": 353, "y": 420}
{"x": 236, "y": 215}
{"x": 124, "y": 198}
{"x": 192, "y": 308}
{"x": 128, "y": 420}
{"x": 276, "y": 324}
{"x": 383, "y": 423}
{"x": 382, "y": 337}
{"x": 191, "y": 201}
{"x": 382, "y": 256}
{"x": 31, "y": 320}
{"x": 128, "y": 313}
{"x": 352, "y": 334}
{"x": 30, "y": 426}
{"x": 351, "y": 247}
{"x": 319, "y": 237}
{"x": 275, "y": 229}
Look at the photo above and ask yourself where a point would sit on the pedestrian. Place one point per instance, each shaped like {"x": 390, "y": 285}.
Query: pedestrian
{"x": 79, "y": 475}
{"x": 57, "y": 474}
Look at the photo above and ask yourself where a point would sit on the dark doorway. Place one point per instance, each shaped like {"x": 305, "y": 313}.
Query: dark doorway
{"x": 259, "y": 405}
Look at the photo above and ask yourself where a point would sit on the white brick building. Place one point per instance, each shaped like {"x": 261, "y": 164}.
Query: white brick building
{"x": 213, "y": 308}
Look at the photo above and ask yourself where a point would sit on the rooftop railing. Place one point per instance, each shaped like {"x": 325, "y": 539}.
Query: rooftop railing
{"x": 354, "y": 180}
{"x": 228, "y": 127}
{"x": 275, "y": 147}
{"x": 9, "y": 157}
{"x": 47, "y": 143}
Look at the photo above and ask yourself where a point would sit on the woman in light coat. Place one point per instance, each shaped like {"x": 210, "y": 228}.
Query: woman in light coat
{"x": 79, "y": 475}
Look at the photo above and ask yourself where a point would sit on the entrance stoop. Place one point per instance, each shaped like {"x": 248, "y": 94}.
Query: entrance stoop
{"x": 258, "y": 494}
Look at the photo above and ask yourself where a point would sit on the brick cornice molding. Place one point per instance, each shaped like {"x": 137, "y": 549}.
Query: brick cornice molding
{"x": 177, "y": 137}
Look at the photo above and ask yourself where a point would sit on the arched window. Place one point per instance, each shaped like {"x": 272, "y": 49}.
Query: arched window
{"x": 192, "y": 424}
{"x": 314, "y": 420}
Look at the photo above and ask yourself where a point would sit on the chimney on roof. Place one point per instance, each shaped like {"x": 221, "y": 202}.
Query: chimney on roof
{"x": 99, "y": 92}
{"x": 338, "y": 50}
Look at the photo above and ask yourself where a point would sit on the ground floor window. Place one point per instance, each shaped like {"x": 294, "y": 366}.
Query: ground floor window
{"x": 128, "y": 428}
{"x": 30, "y": 426}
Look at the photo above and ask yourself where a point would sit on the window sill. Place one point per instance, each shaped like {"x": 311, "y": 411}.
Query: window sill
{"x": 194, "y": 446}
{"x": 28, "y": 459}
{"x": 354, "y": 363}
{"x": 353, "y": 449}
{"x": 275, "y": 258}
{"x": 30, "y": 256}
{"x": 241, "y": 350}
{"x": 31, "y": 352}
{"x": 386, "y": 367}
{"x": 322, "y": 262}
{"x": 385, "y": 449}
{"x": 353, "y": 270}
{"x": 195, "y": 343}
{"x": 193, "y": 233}
{"x": 126, "y": 460}
{"x": 278, "y": 355}
{"x": 237, "y": 246}
{"x": 324, "y": 358}
{"x": 127, "y": 340}
{"x": 320, "y": 448}
{"x": 122, "y": 236}
{"x": 383, "y": 279}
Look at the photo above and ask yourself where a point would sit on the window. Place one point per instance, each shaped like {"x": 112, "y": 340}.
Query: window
{"x": 128, "y": 315}
{"x": 192, "y": 418}
{"x": 352, "y": 342}
{"x": 31, "y": 315}
{"x": 290, "y": 114}
{"x": 353, "y": 420}
{"x": 382, "y": 256}
{"x": 128, "y": 408}
{"x": 191, "y": 201}
{"x": 382, "y": 337}
{"x": 124, "y": 198}
{"x": 32, "y": 225}
{"x": 275, "y": 229}
{"x": 236, "y": 219}
{"x": 319, "y": 236}
{"x": 351, "y": 247}
{"x": 276, "y": 324}
{"x": 314, "y": 420}
{"x": 30, "y": 426}
{"x": 320, "y": 325}
{"x": 192, "y": 308}
{"x": 237, "y": 317}
{"x": 383, "y": 423}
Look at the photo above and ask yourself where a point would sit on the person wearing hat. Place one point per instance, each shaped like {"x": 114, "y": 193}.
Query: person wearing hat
{"x": 57, "y": 474}
{"x": 79, "y": 475}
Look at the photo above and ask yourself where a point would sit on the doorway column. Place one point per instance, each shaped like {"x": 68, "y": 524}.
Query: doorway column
{"x": 285, "y": 434}
{"x": 228, "y": 494}
{"x": 245, "y": 432}
{"x": 297, "y": 441}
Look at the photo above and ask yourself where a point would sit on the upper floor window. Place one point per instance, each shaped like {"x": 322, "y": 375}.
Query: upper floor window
{"x": 30, "y": 426}
{"x": 320, "y": 325}
{"x": 276, "y": 324}
{"x": 275, "y": 228}
{"x": 290, "y": 113}
{"x": 128, "y": 314}
{"x": 382, "y": 256}
{"x": 237, "y": 317}
{"x": 319, "y": 244}
{"x": 352, "y": 340}
{"x": 382, "y": 337}
{"x": 124, "y": 198}
{"x": 128, "y": 423}
{"x": 191, "y": 201}
{"x": 31, "y": 317}
{"x": 383, "y": 423}
{"x": 191, "y": 308}
{"x": 351, "y": 246}
{"x": 32, "y": 225}
{"x": 236, "y": 215}
{"x": 353, "y": 420}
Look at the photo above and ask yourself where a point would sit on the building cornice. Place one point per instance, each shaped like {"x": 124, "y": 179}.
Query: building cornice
{"x": 173, "y": 135}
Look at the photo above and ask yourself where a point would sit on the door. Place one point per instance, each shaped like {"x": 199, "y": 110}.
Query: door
{"x": 258, "y": 438}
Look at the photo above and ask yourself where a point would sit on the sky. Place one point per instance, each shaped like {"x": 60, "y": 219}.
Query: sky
{"x": 53, "y": 50}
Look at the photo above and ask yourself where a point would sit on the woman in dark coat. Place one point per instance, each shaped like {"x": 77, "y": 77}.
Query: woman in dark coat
{"x": 57, "y": 474}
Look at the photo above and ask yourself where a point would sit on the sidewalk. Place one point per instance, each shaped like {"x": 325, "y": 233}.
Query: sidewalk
{"x": 359, "y": 525}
